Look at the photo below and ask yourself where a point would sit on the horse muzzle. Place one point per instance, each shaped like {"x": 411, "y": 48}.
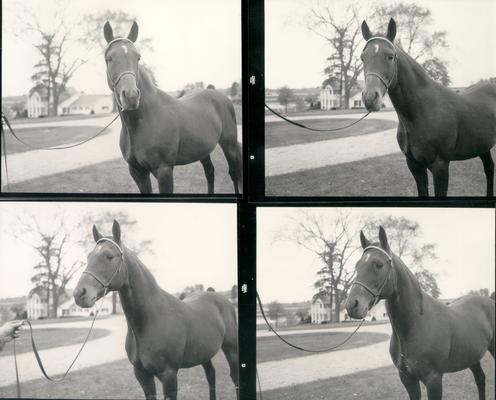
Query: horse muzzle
{"x": 130, "y": 99}
{"x": 372, "y": 98}
{"x": 86, "y": 295}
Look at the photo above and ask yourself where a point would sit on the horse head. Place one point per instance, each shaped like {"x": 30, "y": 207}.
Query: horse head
{"x": 122, "y": 60}
{"x": 373, "y": 276}
{"x": 104, "y": 271}
{"x": 379, "y": 58}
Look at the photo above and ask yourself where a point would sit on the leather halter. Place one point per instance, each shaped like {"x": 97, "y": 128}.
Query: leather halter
{"x": 117, "y": 269}
{"x": 368, "y": 289}
{"x": 387, "y": 84}
{"x": 119, "y": 77}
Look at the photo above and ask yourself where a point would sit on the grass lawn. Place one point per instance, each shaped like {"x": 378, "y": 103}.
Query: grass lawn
{"x": 383, "y": 384}
{"x": 116, "y": 381}
{"x": 283, "y": 134}
{"x": 55, "y": 119}
{"x": 113, "y": 177}
{"x": 47, "y": 338}
{"x": 272, "y": 348}
{"x": 48, "y": 137}
{"x": 351, "y": 323}
{"x": 378, "y": 176}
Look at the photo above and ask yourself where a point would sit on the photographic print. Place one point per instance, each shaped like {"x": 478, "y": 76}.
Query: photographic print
{"x": 388, "y": 98}
{"x": 378, "y": 303}
{"x": 141, "y": 298}
{"x": 121, "y": 96}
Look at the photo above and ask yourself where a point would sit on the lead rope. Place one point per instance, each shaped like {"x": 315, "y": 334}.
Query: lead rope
{"x": 38, "y": 358}
{"x": 314, "y": 129}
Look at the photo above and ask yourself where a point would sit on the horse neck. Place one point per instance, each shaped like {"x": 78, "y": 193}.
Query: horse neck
{"x": 404, "y": 305}
{"x": 139, "y": 292}
{"x": 407, "y": 95}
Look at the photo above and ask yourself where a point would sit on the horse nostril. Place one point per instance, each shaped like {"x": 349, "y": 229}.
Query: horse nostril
{"x": 80, "y": 292}
{"x": 355, "y": 304}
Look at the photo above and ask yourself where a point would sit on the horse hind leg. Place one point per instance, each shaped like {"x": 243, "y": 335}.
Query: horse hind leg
{"x": 232, "y": 151}
{"x": 487, "y": 161}
{"x": 147, "y": 382}
{"x": 231, "y": 352}
{"x": 210, "y": 374}
{"x": 480, "y": 380}
{"x": 209, "y": 169}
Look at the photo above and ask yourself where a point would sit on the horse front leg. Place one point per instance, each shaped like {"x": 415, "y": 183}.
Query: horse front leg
{"x": 434, "y": 385}
{"x": 147, "y": 382}
{"x": 169, "y": 382}
{"x": 141, "y": 177}
{"x": 165, "y": 177}
{"x": 411, "y": 384}
{"x": 419, "y": 173}
{"x": 487, "y": 161}
{"x": 480, "y": 380}
{"x": 440, "y": 172}
{"x": 210, "y": 374}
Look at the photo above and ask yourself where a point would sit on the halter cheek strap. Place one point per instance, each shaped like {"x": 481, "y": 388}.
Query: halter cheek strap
{"x": 387, "y": 84}
{"x": 117, "y": 269}
{"x": 378, "y": 293}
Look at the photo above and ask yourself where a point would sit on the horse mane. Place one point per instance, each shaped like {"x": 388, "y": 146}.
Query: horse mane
{"x": 414, "y": 64}
{"x": 132, "y": 258}
{"x": 398, "y": 262}
{"x": 146, "y": 73}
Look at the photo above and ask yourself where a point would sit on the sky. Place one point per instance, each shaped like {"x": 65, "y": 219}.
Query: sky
{"x": 193, "y": 41}
{"x": 192, "y": 243}
{"x": 295, "y": 56}
{"x": 464, "y": 241}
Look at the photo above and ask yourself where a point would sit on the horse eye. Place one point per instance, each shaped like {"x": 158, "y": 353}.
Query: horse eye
{"x": 139, "y": 57}
{"x": 379, "y": 265}
{"x": 109, "y": 59}
{"x": 110, "y": 256}
{"x": 390, "y": 57}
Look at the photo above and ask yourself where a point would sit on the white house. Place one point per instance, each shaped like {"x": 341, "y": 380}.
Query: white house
{"x": 37, "y": 102}
{"x": 86, "y": 104}
{"x": 71, "y": 309}
{"x": 36, "y": 306}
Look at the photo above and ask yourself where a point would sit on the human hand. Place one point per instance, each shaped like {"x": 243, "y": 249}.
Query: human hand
{"x": 10, "y": 330}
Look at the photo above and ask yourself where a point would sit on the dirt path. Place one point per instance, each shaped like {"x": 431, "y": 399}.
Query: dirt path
{"x": 288, "y": 372}
{"x": 100, "y": 351}
{"x": 299, "y": 157}
{"x": 37, "y": 163}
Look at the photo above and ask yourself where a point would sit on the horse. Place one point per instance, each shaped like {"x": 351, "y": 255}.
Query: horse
{"x": 436, "y": 125}
{"x": 429, "y": 338}
{"x": 164, "y": 333}
{"x": 158, "y": 131}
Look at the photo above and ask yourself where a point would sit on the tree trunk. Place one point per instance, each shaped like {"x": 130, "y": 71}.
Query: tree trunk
{"x": 114, "y": 303}
{"x": 330, "y": 304}
{"x": 338, "y": 305}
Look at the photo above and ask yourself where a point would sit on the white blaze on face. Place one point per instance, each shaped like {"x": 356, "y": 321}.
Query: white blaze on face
{"x": 125, "y": 49}
{"x": 376, "y": 47}
{"x": 367, "y": 256}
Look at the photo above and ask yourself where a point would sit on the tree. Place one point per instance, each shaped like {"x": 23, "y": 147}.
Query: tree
{"x": 18, "y": 309}
{"x": 55, "y": 268}
{"x": 275, "y": 311}
{"x": 333, "y": 241}
{"x": 105, "y": 218}
{"x": 303, "y": 314}
{"x": 415, "y": 37}
{"x": 234, "y": 92}
{"x": 344, "y": 39}
{"x": 403, "y": 236}
{"x": 481, "y": 292}
{"x": 300, "y": 103}
{"x": 285, "y": 95}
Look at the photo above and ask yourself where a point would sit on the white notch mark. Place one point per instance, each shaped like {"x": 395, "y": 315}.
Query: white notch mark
{"x": 367, "y": 256}
{"x": 125, "y": 49}
{"x": 376, "y": 47}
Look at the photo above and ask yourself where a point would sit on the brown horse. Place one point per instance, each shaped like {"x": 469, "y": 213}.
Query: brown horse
{"x": 164, "y": 333}
{"x": 436, "y": 125}
{"x": 429, "y": 338}
{"x": 158, "y": 131}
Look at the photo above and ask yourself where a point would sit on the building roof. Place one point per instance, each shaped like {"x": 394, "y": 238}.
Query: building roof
{"x": 89, "y": 100}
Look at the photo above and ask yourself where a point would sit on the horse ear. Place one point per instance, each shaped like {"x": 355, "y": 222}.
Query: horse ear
{"x": 116, "y": 232}
{"x": 383, "y": 240}
{"x": 108, "y": 34}
{"x": 366, "y": 31}
{"x": 364, "y": 241}
{"x": 391, "y": 32}
{"x": 133, "y": 33}
{"x": 96, "y": 235}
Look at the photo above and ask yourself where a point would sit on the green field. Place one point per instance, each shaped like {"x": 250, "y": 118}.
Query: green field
{"x": 281, "y": 133}
{"x": 48, "y": 137}
{"x": 116, "y": 381}
{"x": 378, "y": 176}
{"x": 383, "y": 384}
{"x": 272, "y": 348}
{"x": 47, "y": 338}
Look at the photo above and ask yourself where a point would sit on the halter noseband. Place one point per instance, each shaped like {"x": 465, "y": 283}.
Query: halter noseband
{"x": 117, "y": 269}
{"x": 387, "y": 84}
{"x": 378, "y": 293}
{"x": 116, "y": 81}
